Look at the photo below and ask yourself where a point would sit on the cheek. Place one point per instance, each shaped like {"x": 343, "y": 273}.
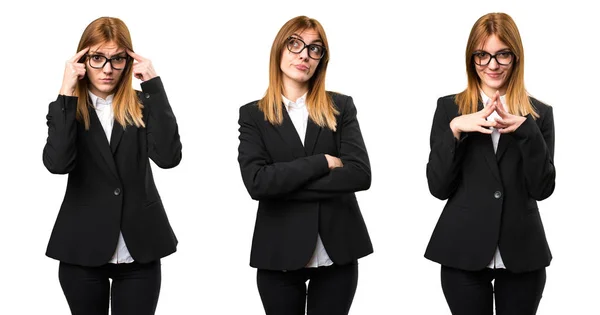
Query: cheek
{"x": 91, "y": 74}
{"x": 314, "y": 66}
{"x": 118, "y": 75}
{"x": 479, "y": 72}
{"x": 508, "y": 72}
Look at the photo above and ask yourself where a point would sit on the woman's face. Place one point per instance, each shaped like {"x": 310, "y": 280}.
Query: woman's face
{"x": 493, "y": 75}
{"x": 296, "y": 63}
{"x": 101, "y": 73}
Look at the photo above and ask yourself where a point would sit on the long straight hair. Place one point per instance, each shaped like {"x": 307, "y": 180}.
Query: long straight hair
{"x": 126, "y": 105}
{"x": 503, "y": 26}
{"x": 321, "y": 109}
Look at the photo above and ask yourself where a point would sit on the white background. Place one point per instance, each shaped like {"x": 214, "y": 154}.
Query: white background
{"x": 213, "y": 57}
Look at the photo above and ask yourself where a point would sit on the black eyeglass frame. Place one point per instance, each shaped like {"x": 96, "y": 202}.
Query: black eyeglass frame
{"x": 494, "y": 57}
{"x": 109, "y": 60}
{"x": 323, "y": 49}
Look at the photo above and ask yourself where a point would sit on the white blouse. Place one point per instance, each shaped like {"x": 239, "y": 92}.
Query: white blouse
{"x": 299, "y": 115}
{"x": 104, "y": 110}
{"x": 496, "y": 262}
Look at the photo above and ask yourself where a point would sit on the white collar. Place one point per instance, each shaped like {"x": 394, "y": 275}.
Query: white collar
{"x": 485, "y": 99}
{"x": 99, "y": 102}
{"x": 300, "y": 102}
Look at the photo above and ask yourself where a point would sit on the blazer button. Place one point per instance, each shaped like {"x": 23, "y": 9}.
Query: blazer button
{"x": 117, "y": 192}
{"x": 497, "y": 195}
{"x": 147, "y": 95}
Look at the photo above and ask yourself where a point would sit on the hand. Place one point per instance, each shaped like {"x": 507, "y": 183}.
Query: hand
{"x": 333, "y": 161}
{"x": 142, "y": 68}
{"x": 74, "y": 71}
{"x": 474, "y": 122}
{"x": 507, "y": 122}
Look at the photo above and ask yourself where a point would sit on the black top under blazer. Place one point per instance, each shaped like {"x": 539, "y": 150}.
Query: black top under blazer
{"x": 298, "y": 195}
{"x": 110, "y": 187}
{"x": 491, "y": 197}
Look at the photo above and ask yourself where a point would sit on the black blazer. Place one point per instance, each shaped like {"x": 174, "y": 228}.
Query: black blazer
{"x": 491, "y": 197}
{"x": 298, "y": 195}
{"x": 110, "y": 187}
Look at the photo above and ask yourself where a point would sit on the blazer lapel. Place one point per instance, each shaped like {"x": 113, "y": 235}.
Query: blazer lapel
{"x": 312, "y": 134}
{"x": 504, "y": 142}
{"x": 486, "y": 147}
{"x": 115, "y": 137}
{"x": 288, "y": 133}
{"x": 99, "y": 137}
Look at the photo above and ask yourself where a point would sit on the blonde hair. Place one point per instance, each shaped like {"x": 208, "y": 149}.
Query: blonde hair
{"x": 503, "y": 26}
{"x": 320, "y": 106}
{"x": 126, "y": 105}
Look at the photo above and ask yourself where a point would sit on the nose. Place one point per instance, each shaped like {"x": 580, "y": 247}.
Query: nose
{"x": 107, "y": 67}
{"x": 304, "y": 53}
{"x": 493, "y": 64}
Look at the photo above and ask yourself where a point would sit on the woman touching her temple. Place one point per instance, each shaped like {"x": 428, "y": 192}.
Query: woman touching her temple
{"x": 103, "y": 133}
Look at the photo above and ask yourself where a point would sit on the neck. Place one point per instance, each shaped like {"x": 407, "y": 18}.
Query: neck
{"x": 490, "y": 92}
{"x": 100, "y": 94}
{"x": 294, "y": 90}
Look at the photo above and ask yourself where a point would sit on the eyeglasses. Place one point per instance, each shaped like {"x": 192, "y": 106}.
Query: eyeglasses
{"x": 483, "y": 58}
{"x": 116, "y": 62}
{"x": 296, "y": 46}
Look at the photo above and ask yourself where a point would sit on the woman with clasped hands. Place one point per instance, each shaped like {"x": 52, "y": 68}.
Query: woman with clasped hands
{"x": 492, "y": 149}
{"x": 112, "y": 224}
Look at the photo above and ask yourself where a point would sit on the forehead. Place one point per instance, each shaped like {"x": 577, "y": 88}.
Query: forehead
{"x": 493, "y": 44}
{"x": 107, "y": 48}
{"x": 308, "y": 35}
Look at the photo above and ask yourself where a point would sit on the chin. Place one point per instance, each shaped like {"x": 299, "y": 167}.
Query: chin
{"x": 495, "y": 85}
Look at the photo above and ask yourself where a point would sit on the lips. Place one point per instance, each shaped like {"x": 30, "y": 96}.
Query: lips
{"x": 106, "y": 80}
{"x": 494, "y": 75}
{"x": 302, "y": 68}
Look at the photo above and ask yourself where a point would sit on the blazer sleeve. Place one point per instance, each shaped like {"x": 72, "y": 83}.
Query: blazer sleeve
{"x": 446, "y": 153}
{"x": 537, "y": 149}
{"x": 60, "y": 152}
{"x": 265, "y": 179}
{"x": 355, "y": 175}
{"x": 164, "y": 145}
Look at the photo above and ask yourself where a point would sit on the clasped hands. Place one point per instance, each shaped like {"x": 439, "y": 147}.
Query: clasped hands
{"x": 477, "y": 122}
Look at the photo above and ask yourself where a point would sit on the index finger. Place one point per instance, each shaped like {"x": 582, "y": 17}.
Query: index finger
{"x": 135, "y": 56}
{"x": 79, "y": 54}
{"x": 500, "y": 110}
{"x": 487, "y": 110}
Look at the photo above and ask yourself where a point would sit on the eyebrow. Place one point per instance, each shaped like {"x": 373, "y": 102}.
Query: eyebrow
{"x": 498, "y": 51}
{"x": 318, "y": 40}
{"x": 119, "y": 54}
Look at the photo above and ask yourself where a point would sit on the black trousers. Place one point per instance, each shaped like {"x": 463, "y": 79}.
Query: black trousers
{"x": 330, "y": 290}
{"x": 471, "y": 292}
{"x": 135, "y": 288}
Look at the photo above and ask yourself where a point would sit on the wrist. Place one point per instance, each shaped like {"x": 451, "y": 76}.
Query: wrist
{"x": 455, "y": 130}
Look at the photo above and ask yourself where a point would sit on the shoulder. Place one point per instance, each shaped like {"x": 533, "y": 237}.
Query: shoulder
{"x": 250, "y": 110}
{"x": 448, "y": 105}
{"x": 540, "y": 107}
{"x": 250, "y": 107}
{"x": 448, "y": 100}
{"x": 341, "y": 101}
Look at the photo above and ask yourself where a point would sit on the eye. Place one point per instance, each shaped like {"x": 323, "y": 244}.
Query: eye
{"x": 118, "y": 59}
{"x": 96, "y": 57}
{"x": 504, "y": 54}
{"x": 481, "y": 54}
{"x": 295, "y": 43}
{"x": 316, "y": 49}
